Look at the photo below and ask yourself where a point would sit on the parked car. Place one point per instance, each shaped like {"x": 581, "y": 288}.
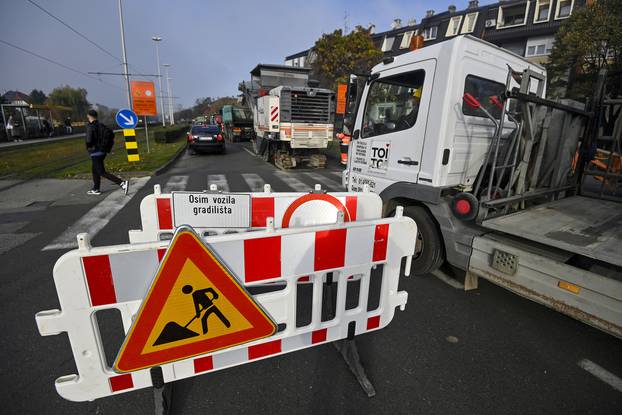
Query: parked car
{"x": 203, "y": 138}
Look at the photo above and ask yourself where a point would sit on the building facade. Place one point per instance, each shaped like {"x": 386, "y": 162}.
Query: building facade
{"x": 525, "y": 27}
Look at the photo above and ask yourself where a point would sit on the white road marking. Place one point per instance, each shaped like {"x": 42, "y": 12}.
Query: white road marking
{"x": 329, "y": 184}
{"x": 219, "y": 180}
{"x": 448, "y": 280}
{"x": 95, "y": 219}
{"x": 336, "y": 174}
{"x": 249, "y": 152}
{"x": 254, "y": 181}
{"x": 601, "y": 373}
{"x": 292, "y": 182}
{"x": 176, "y": 184}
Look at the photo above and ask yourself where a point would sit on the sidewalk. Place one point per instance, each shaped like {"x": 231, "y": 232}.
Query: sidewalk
{"x": 12, "y": 144}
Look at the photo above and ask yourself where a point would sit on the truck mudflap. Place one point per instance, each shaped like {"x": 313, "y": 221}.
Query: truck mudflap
{"x": 541, "y": 275}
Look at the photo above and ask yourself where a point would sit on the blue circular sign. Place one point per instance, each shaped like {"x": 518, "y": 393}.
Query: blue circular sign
{"x": 126, "y": 118}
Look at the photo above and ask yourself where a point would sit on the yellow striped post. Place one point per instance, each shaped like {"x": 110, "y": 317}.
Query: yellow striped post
{"x": 131, "y": 145}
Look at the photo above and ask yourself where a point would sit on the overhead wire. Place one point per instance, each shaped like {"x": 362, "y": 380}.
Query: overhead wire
{"x": 57, "y": 63}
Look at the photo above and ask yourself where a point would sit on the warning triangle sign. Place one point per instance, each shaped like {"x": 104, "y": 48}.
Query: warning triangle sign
{"x": 194, "y": 306}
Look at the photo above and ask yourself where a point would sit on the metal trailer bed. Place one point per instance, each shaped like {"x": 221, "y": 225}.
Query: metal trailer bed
{"x": 581, "y": 225}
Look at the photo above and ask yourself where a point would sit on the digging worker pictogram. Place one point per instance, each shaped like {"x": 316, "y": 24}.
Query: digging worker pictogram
{"x": 203, "y": 303}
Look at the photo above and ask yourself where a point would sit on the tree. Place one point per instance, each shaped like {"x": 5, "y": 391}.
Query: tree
{"x": 75, "y": 98}
{"x": 336, "y": 56}
{"x": 37, "y": 96}
{"x": 588, "y": 41}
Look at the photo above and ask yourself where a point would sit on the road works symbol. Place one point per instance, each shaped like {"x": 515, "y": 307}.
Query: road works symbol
{"x": 195, "y": 306}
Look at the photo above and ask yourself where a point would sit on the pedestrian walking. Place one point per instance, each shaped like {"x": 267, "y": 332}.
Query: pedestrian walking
{"x": 99, "y": 142}
{"x": 68, "y": 127}
{"x": 9, "y": 128}
{"x": 12, "y": 129}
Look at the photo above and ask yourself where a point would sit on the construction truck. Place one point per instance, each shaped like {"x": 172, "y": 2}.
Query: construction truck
{"x": 238, "y": 123}
{"x": 503, "y": 183}
{"x": 292, "y": 118}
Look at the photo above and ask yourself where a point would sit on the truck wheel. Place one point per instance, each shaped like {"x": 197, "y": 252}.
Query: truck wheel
{"x": 429, "y": 251}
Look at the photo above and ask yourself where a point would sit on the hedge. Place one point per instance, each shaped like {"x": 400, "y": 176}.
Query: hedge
{"x": 170, "y": 134}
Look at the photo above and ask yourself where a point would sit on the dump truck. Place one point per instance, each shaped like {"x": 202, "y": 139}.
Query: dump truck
{"x": 293, "y": 118}
{"x": 238, "y": 122}
{"x": 504, "y": 184}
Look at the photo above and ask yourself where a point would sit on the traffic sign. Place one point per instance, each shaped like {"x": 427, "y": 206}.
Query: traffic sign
{"x": 126, "y": 118}
{"x": 143, "y": 98}
{"x": 195, "y": 306}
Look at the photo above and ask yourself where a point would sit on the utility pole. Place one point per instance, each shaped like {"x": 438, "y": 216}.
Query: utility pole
{"x": 170, "y": 94}
{"x": 125, "y": 71}
{"x": 157, "y": 40}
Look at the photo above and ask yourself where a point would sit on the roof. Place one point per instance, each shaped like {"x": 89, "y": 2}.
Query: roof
{"x": 12, "y": 96}
{"x": 298, "y": 55}
{"x": 256, "y": 71}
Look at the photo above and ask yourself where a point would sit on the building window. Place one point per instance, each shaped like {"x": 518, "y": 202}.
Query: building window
{"x": 483, "y": 90}
{"x": 514, "y": 15}
{"x": 387, "y": 44}
{"x": 564, "y": 9}
{"x": 539, "y": 46}
{"x": 469, "y": 22}
{"x": 454, "y": 26}
{"x": 406, "y": 39}
{"x": 542, "y": 13}
{"x": 429, "y": 33}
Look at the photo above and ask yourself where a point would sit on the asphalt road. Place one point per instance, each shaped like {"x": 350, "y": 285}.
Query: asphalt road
{"x": 451, "y": 352}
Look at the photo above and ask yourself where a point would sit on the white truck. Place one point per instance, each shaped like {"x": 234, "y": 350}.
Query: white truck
{"x": 494, "y": 174}
{"x": 293, "y": 119}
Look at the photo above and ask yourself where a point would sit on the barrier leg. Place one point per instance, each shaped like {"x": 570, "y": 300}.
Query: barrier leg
{"x": 350, "y": 354}
{"x": 162, "y": 392}
{"x": 348, "y": 350}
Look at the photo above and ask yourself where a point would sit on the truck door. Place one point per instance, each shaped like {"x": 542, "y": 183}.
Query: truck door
{"x": 390, "y": 125}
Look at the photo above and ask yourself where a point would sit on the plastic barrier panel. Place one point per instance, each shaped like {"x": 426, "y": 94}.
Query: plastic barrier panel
{"x": 161, "y": 213}
{"x": 89, "y": 280}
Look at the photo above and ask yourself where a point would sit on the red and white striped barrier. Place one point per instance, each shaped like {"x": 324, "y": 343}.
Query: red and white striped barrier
{"x": 287, "y": 210}
{"x": 117, "y": 277}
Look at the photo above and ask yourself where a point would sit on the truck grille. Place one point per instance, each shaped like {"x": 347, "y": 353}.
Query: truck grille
{"x": 310, "y": 109}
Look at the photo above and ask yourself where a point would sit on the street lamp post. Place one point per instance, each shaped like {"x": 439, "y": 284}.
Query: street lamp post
{"x": 125, "y": 71}
{"x": 157, "y": 39}
{"x": 170, "y": 94}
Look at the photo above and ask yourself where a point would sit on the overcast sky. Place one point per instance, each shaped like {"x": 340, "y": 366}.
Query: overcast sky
{"x": 211, "y": 45}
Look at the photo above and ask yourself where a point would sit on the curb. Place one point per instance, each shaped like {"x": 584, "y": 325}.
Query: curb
{"x": 169, "y": 163}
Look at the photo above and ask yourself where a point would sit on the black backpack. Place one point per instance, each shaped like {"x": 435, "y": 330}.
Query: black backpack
{"x": 106, "y": 137}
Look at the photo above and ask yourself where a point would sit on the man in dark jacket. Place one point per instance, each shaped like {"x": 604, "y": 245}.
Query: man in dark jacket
{"x": 95, "y": 147}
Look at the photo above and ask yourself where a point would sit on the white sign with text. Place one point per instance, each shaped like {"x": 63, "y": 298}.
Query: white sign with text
{"x": 211, "y": 210}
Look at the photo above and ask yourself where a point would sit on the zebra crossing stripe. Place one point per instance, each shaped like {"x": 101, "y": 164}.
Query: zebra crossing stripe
{"x": 325, "y": 181}
{"x": 176, "y": 184}
{"x": 292, "y": 182}
{"x": 254, "y": 181}
{"x": 219, "y": 180}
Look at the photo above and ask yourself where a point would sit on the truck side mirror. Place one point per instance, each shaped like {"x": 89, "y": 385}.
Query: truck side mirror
{"x": 471, "y": 101}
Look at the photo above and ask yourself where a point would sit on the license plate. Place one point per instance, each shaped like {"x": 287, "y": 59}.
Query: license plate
{"x": 205, "y": 138}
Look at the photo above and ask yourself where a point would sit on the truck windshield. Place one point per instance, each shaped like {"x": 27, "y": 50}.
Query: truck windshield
{"x": 392, "y": 103}
{"x": 240, "y": 114}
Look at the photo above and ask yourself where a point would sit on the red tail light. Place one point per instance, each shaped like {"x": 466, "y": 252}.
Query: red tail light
{"x": 189, "y": 137}
{"x": 219, "y": 137}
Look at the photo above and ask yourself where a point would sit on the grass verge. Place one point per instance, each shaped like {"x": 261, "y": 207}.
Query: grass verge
{"x": 69, "y": 159}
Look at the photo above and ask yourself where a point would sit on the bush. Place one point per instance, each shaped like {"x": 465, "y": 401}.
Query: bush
{"x": 170, "y": 134}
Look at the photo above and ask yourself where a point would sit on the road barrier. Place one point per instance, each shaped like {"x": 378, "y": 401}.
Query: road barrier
{"x": 157, "y": 211}
{"x": 89, "y": 280}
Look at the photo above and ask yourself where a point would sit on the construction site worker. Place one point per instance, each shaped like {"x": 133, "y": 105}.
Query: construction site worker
{"x": 344, "y": 142}
{"x": 203, "y": 303}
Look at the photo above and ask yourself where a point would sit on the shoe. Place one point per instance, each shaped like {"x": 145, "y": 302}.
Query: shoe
{"x": 94, "y": 192}
{"x": 125, "y": 185}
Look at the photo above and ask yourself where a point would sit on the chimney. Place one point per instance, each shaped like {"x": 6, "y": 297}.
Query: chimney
{"x": 473, "y": 4}
{"x": 451, "y": 9}
{"x": 429, "y": 13}
{"x": 397, "y": 23}
{"x": 412, "y": 22}
{"x": 371, "y": 28}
